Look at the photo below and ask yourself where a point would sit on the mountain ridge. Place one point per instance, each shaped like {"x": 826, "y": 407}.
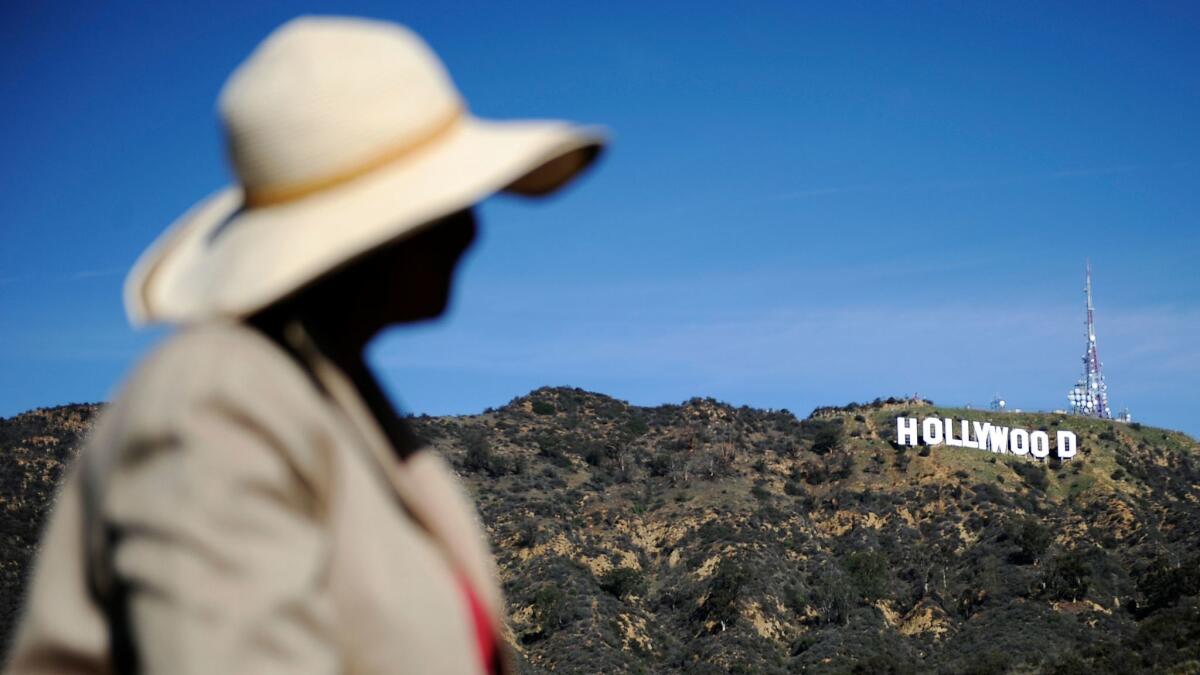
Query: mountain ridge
{"x": 704, "y": 537}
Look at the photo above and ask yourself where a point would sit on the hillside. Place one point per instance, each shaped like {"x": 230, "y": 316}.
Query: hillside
{"x": 707, "y": 538}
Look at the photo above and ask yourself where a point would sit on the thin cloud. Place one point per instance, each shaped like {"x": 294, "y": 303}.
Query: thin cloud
{"x": 954, "y": 185}
{"x": 868, "y": 348}
{"x": 802, "y": 357}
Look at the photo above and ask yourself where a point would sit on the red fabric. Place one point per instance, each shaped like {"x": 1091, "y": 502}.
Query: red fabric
{"x": 484, "y": 634}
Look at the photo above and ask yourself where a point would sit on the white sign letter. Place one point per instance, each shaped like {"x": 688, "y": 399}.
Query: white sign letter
{"x": 998, "y": 439}
{"x": 981, "y": 434}
{"x": 1067, "y": 445}
{"x": 966, "y": 436}
{"x": 950, "y": 439}
{"x": 906, "y": 430}
{"x": 931, "y": 431}
{"x": 1018, "y": 441}
{"x": 1041, "y": 444}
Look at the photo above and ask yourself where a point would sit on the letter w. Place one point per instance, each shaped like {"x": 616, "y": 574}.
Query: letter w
{"x": 998, "y": 439}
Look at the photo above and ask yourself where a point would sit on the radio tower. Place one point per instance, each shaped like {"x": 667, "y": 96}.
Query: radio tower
{"x": 1089, "y": 396}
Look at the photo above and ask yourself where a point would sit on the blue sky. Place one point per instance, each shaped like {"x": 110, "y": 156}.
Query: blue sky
{"x": 803, "y": 204}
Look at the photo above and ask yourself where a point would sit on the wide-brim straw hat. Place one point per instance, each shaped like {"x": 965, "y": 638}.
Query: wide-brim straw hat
{"x": 344, "y": 134}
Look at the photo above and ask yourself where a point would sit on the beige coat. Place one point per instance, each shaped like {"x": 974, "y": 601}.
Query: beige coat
{"x": 231, "y": 514}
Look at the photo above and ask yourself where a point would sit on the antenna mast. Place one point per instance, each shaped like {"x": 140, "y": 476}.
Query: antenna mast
{"x": 1089, "y": 396}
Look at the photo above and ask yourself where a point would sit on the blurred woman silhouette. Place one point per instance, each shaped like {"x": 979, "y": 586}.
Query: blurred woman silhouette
{"x": 250, "y": 502}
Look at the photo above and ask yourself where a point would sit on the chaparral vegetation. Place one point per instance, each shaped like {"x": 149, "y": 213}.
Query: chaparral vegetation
{"x": 708, "y": 538}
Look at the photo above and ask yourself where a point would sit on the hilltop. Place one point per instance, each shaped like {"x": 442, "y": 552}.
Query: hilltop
{"x": 703, "y": 537}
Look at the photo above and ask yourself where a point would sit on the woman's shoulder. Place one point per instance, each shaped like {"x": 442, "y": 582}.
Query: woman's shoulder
{"x": 219, "y": 357}
{"x": 222, "y": 371}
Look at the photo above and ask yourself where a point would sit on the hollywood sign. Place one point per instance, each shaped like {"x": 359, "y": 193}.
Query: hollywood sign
{"x": 984, "y": 436}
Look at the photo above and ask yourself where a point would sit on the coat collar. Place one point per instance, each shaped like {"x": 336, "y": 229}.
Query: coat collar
{"x": 342, "y": 392}
{"x": 423, "y": 484}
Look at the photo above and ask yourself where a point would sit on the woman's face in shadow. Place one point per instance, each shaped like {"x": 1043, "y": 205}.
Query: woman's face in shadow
{"x": 409, "y": 280}
{"x": 414, "y": 277}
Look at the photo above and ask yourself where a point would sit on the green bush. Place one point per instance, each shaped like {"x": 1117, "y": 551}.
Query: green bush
{"x": 868, "y": 572}
{"x": 724, "y": 590}
{"x": 1032, "y": 539}
{"x": 828, "y": 439}
{"x": 833, "y": 596}
{"x": 636, "y": 426}
{"x": 760, "y": 491}
{"x": 814, "y": 473}
{"x": 1164, "y": 583}
{"x": 1034, "y": 475}
{"x": 1067, "y": 576}
{"x": 479, "y": 457}
{"x": 621, "y": 582}
{"x": 551, "y": 607}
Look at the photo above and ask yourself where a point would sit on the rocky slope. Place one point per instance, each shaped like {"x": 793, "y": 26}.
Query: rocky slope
{"x": 707, "y": 538}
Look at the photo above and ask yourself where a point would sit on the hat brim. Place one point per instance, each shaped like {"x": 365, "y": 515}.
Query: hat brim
{"x": 221, "y": 259}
